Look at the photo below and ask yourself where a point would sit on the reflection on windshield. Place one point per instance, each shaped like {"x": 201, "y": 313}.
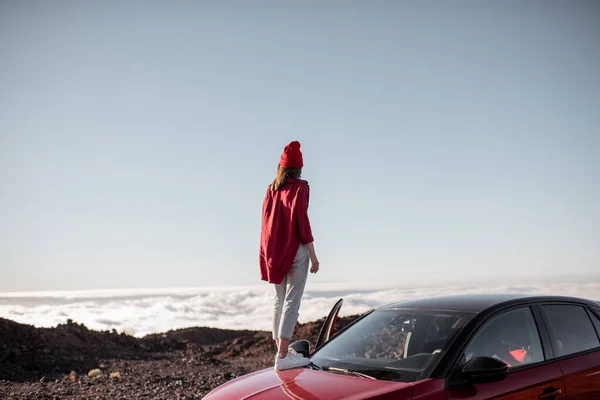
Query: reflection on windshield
{"x": 393, "y": 344}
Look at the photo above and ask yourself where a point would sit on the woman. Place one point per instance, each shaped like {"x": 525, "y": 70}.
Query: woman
{"x": 286, "y": 246}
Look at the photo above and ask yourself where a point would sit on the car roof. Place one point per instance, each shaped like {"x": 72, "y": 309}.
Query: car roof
{"x": 479, "y": 302}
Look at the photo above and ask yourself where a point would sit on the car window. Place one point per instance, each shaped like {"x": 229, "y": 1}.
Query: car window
{"x": 511, "y": 337}
{"x": 596, "y": 320}
{"x": 393, "y": 344}
{"x": 572, "y": 329}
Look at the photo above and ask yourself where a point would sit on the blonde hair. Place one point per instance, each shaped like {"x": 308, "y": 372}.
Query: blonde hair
{"x": 282, "y": 175}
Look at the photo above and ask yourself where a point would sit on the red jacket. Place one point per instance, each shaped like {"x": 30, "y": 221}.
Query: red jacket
{"x": 285, "y": 226}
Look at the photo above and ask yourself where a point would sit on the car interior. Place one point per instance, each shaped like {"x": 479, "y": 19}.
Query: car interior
{"x": 572, "y": 329}
{"x": 511, "y": 337}
{"x": 395, "y": 340}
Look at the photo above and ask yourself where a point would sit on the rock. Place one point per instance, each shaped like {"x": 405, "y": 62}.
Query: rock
{"x": 144, "y": 368}
{"x": 95, "y": 373}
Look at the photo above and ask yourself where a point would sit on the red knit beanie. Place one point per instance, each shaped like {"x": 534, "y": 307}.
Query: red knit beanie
{"x": 292, "y": 156}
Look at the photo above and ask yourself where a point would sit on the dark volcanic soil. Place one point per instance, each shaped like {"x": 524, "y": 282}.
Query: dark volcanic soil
{"x": 54, "y": 363}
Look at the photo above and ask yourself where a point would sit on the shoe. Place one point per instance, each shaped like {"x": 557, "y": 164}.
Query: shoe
{"x": 290, "y": 361}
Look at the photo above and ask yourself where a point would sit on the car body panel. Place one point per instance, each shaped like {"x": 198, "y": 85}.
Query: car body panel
{"x": 476, "y": 302}
{"x": 582, "y": 376}
{"x": 328, "y": 327}
{"x": 518, "y": 385}
{"x": 430, "y": 389}
{"x": 308, "y": 384}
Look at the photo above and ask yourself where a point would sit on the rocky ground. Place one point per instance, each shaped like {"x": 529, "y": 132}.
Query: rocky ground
{"x": 73, "y": 362}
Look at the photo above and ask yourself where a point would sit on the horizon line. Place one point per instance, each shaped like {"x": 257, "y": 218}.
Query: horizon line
{"x": 314, "y": 287}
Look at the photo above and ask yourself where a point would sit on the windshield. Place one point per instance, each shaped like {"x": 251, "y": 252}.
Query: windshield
{"x": 393, "y": 344}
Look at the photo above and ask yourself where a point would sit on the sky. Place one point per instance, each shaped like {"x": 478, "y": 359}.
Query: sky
{"x": 442, "y": 140}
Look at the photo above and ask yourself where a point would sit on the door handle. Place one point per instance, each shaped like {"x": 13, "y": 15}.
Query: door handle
{"x": 550, "y": 394}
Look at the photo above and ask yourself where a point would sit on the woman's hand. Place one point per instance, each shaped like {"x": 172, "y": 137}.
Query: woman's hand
{"x": 313, "y": 258}
{"x": 314, "y": 265}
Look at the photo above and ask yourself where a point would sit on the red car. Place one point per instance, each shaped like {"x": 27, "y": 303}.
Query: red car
{"x": 509, "y": 346}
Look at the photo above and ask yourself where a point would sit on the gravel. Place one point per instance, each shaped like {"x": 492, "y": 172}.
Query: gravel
{"x": 73, "y": 362}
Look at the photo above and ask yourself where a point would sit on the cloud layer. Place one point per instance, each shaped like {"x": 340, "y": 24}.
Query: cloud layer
{"x": 158, "y": 310}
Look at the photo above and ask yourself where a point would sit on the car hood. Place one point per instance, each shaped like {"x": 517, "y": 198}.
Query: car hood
{"x": 306, "y": 384}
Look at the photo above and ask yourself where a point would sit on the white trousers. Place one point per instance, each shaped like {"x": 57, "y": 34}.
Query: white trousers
{"x": 288, "y": 295}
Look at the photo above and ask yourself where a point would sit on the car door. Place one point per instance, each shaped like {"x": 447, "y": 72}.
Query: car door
{"x": 576, "y": 344}
{"x": 328, "y": 327}
{"x": 512, "y": 336}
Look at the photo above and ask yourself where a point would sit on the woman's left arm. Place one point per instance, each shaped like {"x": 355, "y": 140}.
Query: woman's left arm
{"x": 304, "y": 229}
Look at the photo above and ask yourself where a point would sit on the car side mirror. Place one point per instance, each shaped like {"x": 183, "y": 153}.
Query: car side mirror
{"x": 301, "y": 347}
{"x": 485, "y": 370}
